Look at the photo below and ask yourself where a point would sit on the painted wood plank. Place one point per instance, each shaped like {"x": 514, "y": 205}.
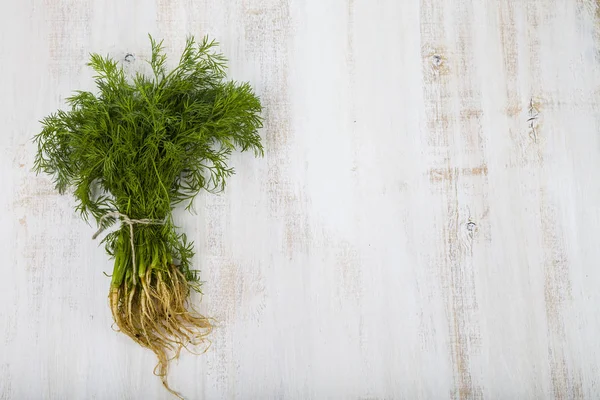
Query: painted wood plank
{"x": 424, "y": 223}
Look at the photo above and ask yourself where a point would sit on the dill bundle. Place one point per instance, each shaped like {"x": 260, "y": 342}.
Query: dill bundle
{"x": 132, "y": 152}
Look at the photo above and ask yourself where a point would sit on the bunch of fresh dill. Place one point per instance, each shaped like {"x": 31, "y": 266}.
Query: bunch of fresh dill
{"x": 133, "y": 151}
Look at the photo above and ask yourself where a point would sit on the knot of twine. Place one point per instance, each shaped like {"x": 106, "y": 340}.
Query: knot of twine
{"x": 129, "y": 221}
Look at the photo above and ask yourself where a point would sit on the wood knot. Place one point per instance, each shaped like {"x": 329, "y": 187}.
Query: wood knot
{"x": 471, "y": 226}
{"x": 435, "y": 62}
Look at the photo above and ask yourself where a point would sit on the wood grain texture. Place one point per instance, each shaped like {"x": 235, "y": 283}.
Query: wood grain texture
{"x": 425, "y": 223}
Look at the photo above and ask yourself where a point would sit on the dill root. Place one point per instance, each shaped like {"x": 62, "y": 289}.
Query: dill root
{"x": 133, "y": 152}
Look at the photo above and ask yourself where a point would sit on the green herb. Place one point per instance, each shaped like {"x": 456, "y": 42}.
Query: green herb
{"x": 135, "y": 150}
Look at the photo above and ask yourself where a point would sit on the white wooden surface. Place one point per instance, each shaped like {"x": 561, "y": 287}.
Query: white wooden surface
{"x": 425, "y": 223}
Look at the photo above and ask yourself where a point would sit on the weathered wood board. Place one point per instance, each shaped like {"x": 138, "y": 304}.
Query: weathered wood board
{"x": 425, "y": 223}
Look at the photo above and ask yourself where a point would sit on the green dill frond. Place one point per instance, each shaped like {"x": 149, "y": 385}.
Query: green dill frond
{"x": 150, "y": 142}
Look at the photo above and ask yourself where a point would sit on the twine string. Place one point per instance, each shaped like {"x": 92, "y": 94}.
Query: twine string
{"x": 129, "y": 221}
